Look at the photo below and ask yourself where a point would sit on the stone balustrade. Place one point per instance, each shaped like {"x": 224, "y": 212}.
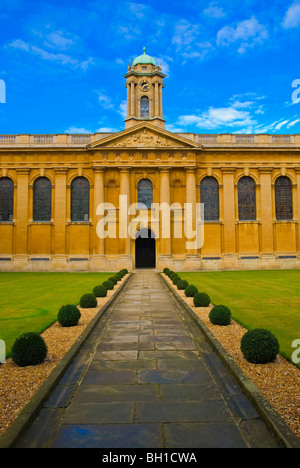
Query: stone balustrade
{"x": 207, "y": 140}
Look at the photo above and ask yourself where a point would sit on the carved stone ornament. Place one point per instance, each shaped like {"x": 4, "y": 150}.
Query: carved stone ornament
{"x": 145, "y": 140}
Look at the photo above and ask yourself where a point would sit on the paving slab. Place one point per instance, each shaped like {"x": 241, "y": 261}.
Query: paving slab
{"x": 147, "y": 378}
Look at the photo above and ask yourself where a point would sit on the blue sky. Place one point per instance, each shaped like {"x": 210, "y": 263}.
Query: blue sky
{"x": 230, "y": 65}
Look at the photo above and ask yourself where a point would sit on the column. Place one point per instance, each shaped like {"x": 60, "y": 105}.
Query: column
{"x": 267, "y": 240}
{"x": 128, "y": 100}
{"x": 124, "y": 238}
{"x": 60, "y": 215}
{"x": 229, "y": 218}
{"x": 156, "y": 99}
{"x": 98, "y": 200}
{"x": 165, "y": 197}
{"x": 132, "y": 98}
{"x": 192, "y": 258}
{"x": 297, "y": 212}
{"x": 22, "y": 215}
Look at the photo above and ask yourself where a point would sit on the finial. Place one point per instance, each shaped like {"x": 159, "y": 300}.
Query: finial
{"x": 144, "y": 49}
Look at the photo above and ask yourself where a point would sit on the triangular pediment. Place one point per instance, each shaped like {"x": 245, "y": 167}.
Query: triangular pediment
{"x": 144, "y": 135}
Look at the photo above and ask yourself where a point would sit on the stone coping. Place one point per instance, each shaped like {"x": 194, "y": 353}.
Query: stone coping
{"x": 27, "y": 415}
{"x": 270, "y": 416}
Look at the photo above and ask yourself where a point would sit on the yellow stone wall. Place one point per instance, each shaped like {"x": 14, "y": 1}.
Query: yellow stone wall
{"x": 176, "y": 174}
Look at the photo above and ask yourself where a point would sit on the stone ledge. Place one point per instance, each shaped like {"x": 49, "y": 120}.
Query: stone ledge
{"x": 274, "y": 421}
{"x": 27, "y": 415}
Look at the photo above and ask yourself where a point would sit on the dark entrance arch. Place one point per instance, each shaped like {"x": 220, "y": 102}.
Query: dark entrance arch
{"x": 145, "y": 255}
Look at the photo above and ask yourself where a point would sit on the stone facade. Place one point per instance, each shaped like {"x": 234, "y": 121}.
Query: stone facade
{"x": 176, "y": 165}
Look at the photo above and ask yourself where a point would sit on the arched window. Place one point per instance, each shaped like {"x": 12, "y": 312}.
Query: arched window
{"x": 6, "y": 199}
{"x": 247, "y": 199}
{"x": 283, "y": 199}
{"x": 42, "y": 199}
{"x": 209, "y": 193}
{"x": 145, "y": 107}
{"x": 145, "y": 192}
{"x": 80, "y": 199}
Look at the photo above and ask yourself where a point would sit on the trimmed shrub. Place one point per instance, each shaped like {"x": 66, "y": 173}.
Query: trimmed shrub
{"x": 259, "y": 346}
{"x": 108, "y": 285}
{"x": 29, "y": 349}
{"x": 68, "y": 315}
{"x": 182, "y": 284}
{"x": 88, "y": 301}
{"x": 220, "y": 315}
{"x": 190, "y": 291}
{"x": 119, "y": 276}
{"x": 113, "y": 279}
{"x": 100, "y": 291}
{"x": 201, "y": 300}
{"x": 170, "y": 272}
{"x": 176, "y": 279}
{"x": 124, "y": 271}
{"x": 172, "y": 275}
{"x": 166, "y": 271}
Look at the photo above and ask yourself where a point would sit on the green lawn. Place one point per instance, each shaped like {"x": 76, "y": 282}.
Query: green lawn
{"x": 31, "y": 301}
{"x": 257, "y": 299}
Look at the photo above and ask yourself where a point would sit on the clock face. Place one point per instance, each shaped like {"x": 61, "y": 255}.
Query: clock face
{"x": 145, "y": 85}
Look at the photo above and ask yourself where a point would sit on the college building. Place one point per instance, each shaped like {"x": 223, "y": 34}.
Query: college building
{"x": 51, "y": 187}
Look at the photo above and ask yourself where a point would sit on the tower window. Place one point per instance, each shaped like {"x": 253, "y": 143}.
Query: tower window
{"x": 145, "y": 107}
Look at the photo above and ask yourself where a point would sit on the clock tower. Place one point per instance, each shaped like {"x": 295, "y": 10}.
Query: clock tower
{"x": 144, "y": 83}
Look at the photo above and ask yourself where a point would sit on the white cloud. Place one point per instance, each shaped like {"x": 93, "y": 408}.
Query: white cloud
{"x": 214, "y": 11}
{"x": 185, "y": 33}
{"x": 294, "y": 122}
{"x": 292, "y": 17}
{"x": 123, "y": 109}
{"x": 105, "y": 101}
{"x": 247, "y": 33}
{"x": 76, "y": 130}
{"x": 215, "y": 118}
{"x": 63, "y": 59}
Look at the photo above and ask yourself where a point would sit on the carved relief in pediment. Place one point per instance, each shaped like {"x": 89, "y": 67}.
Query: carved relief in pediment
{"x": 144, "y": 140}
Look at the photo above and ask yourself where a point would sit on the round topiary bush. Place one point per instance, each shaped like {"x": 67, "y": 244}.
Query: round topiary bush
{"x": 182, "y": 284}
{"x": 176, "y": 279}
{"x": 172, "y": 275}
{"x": 201, "y": 299}
{"x": 108, "y": 285}
{"x": 190, "y": 291}
{"x": 119, "y": 276}
{"x": 166, "y": 271}
{"x": 68, "y": 316}
{"x": 88, "y": 301}
{"x": 113, "y": 279}
{"x": 29, "y": 349}
{"x": 259, "y": 346}
{"x": 220, "y": 315}
{"x": 124, "y": 271}
{"x": 100, "y": 291}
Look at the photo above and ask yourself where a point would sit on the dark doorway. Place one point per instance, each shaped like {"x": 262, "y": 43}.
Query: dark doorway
{"x": 145, "y": 256}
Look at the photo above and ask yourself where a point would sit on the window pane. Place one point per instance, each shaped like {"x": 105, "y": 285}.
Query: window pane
{"x": 145, "y": 192}
{"x": 209, "y": 192}
{"x": 247, "y": 199}
{"x": 144, "y": 107}
{"x": 42, "y": 199}
{"x": 283, "y": 199}
{"x": 6, "y": 199}
{"x": 80, "y": 199}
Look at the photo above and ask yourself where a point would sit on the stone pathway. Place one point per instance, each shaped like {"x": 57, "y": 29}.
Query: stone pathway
{"x": 146, "y": 378}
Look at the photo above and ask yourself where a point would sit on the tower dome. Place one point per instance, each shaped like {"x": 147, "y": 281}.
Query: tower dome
{"x": 144, "y": 58}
